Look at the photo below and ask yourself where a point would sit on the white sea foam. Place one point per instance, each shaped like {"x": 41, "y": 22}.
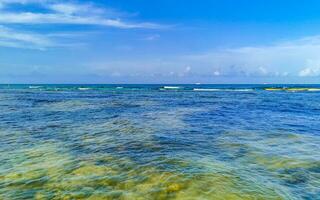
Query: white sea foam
{"x": 222, "y": 90}
{"x": 171, "y": 87}
{"x": 34, "y": 87}
{"x": 206, "y": 90}
{"x": 83, "y": 88}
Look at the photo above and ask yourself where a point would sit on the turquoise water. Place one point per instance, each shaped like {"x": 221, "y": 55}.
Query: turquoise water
{"x": 160, "y": 142}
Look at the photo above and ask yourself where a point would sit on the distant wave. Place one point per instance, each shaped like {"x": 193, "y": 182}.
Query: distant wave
{"x": 205, "y": 90}
{"x": 83, "y": 88}
{"x": 171, "y": 87}
{"x": 222, "y": 90}
{"x": 34, "y": 87}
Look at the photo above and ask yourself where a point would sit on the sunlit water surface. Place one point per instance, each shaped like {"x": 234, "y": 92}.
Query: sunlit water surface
{"x": 158, "y": 142}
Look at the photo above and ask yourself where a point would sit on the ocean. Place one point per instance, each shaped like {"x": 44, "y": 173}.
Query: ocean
{"x": 160, "y": 142}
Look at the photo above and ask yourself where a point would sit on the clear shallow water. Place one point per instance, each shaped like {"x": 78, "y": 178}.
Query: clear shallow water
{"x": 159, "y": 142}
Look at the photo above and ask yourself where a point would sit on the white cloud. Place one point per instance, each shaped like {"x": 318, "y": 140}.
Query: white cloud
{"x": 281, "y": 61}
{"x": 187, "y": 69}
{"x": 263, "y": 70}
{"x": 152, "y": 37}
{"x": 309, "y": 72}
{"x": 171, "y": 73}
{"x": 69, "y": 8}
{"x": 216, "y": 73}
{"x": 12, "y": 38}
{"x": 185, "y": 72}
{"x": 297, "y": 56}
{"x": 57, "y": 18}
{"x": 21, "y": 1}
{"x": 30, "y": 40}
{"x": 5, "y": 3}
{"x": 54, "y": 12}
{"x": 66, "y": 13}
{"x": 312, "y": 69}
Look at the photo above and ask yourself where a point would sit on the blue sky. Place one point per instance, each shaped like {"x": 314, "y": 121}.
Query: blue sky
{"x": 167, "y": 41}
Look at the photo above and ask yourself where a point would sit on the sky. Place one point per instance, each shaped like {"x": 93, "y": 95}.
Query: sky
{"x": 167, "y": 41}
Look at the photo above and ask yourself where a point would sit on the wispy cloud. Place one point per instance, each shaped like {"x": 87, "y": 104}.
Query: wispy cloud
{"x": 39, "y": 18}
{"x": 152, "y": 37}
{"x": 300, "y": 57}
{"x": 295, "y": 58}
{"x": 54, "y": 12}
{"x": 12, "y": 38}
{"x": 6, "y": 3}
{"x": 312, "y": 69}
{"x": 30, "y": 40}
{"x": 67, "y": 13}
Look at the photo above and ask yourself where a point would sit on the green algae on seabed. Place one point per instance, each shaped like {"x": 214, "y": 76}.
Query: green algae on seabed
{"x": 116, "y": 132}
{"x": 286, "y": 157}
{"x": 302, "y": 89}
{"x": 72, "y": 105}
{"x": 68, "y": 105}
{"x": 169, "y": 119}
{"x": 47, "y": 172}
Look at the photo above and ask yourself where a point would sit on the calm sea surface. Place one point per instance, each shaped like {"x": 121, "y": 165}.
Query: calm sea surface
{"x": 160, "y": 142}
